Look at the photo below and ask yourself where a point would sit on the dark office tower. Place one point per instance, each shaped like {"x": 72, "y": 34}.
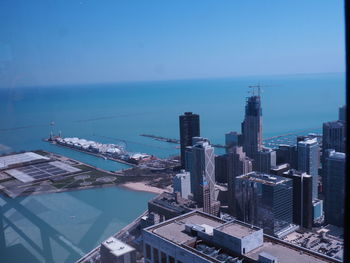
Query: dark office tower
{"x": 237, "y": 164}
{"x": 188, "y": 158}
{"x": 232, "y": 139}
{"x": 189, "y": 127}
{"x": 252, "y": 126}
{"x": 333, "y": 136}
{"x": 308, "y": 161}
{"x": 342, "y": 113}
{"x": 265, "y": 201}
{"x": 287, "y": 154}
{"x": 264, "y": 160}
{"x": 202, "y": 171}
{"x": 334, "y": 187}
{"x": 221, "y": 168}
{"x": 302, "y": 198}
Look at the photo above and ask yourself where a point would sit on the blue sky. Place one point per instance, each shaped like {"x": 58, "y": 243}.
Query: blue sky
{"x": 49, "y": 42}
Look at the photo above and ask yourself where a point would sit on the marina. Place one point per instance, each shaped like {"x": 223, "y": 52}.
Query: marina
{"x": 271, "y": 142}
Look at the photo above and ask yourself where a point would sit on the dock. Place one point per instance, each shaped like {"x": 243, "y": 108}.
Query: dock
{"x": 92, "y": 153}
{"x": 171, "y": 140}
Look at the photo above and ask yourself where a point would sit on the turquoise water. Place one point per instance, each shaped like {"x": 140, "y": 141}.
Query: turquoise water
{"x": 125, "y": 110}
{"x": 63, "y": 227}
{"x": 118, "y": 113}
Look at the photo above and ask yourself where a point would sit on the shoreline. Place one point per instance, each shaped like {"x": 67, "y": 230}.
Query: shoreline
{"x": 131, "y": 186}
{"x": 142, "y": 187}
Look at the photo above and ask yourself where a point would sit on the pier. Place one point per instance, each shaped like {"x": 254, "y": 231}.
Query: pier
{"x": 171, "y": 140}
{"x": 95, "y": 154}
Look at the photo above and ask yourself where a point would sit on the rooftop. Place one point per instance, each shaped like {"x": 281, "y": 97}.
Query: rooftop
{"x": 336, "y": 155}
{"x": 285, "y": 253}
{"x": 117, "y": 247}
{"x": 263, "y": 178}
{"x": 237, "y": 229}
{"x": 308, "y": 141}
{"x": 40, "y": 171}
{"x": 174, "y": 229}
{"x": 8, "y": 160}
{"x": 334, "y": 124}
{"x": 293, "y": 172}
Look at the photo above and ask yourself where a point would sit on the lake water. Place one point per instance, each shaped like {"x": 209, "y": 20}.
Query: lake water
{"x": 63, "y": 227}
{"x": 60, "y": 227}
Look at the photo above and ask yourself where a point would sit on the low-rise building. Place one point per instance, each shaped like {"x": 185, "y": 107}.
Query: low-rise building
{"x": 203, "y": 238}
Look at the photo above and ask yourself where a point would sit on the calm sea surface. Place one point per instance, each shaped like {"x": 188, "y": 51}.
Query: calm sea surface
{"x": 59, "y": 227}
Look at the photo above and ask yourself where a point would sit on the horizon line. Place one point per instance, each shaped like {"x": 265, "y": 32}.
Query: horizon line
{"x": 166, "y": 80}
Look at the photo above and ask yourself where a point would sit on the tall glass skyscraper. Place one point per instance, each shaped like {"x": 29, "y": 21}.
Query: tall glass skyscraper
{"x": 252, "y": 126}
{"x": 308, "y": 161}
{"x": 333, "y": 136}
{"x": 202, "y": 170}
{"x": 334, "y": 187}
{"x": 302, "y": 197}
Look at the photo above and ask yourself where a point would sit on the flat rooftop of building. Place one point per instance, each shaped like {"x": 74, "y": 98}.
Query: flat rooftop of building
{"x": 264, "y": 178}
{"x": 39, "y": 171}
{"x": 285, "y": 253}
{"x": 334, "y": 124}
{"x": 8, "y": 160}
{"x": 174, "y": 229}
{"x": 117, "y": 247}
{"x": 280, "y": 166}
{"x": 308, "y": 141}
{"x": 337, "y": 155}
{"x": 167, "y": 200}
{"x": 293, "y": 172}
{"x": 237, "y": 229}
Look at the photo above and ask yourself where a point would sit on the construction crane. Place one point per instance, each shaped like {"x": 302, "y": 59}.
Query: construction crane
{"x": 256, "y": 89}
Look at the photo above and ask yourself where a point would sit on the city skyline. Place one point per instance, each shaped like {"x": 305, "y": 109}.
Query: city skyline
{"x": 173, "y": 132}
{"x": 261, "y": 199}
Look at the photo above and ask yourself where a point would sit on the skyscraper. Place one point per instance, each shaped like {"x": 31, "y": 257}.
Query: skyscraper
{"x": 232, "y": 139}
{"x": 182, "y": 184}
{"x": 265, "y": 201}
{"x": 334, "y": 187}
{"x": 237, "y": 164}
{"x": 202, "y": 171}
{"x": 342, "y": 113}
{"x": 189, "y": 127}
{"x": 302, "y": 197}
{"x": 308, "y": 161}
{"x": 252, "y": 126}
{"x": 333, "y": 136}
{"x": 221, "y": 170}
{"x": 287, "y": 154}
{"x": 264, "y": 160}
